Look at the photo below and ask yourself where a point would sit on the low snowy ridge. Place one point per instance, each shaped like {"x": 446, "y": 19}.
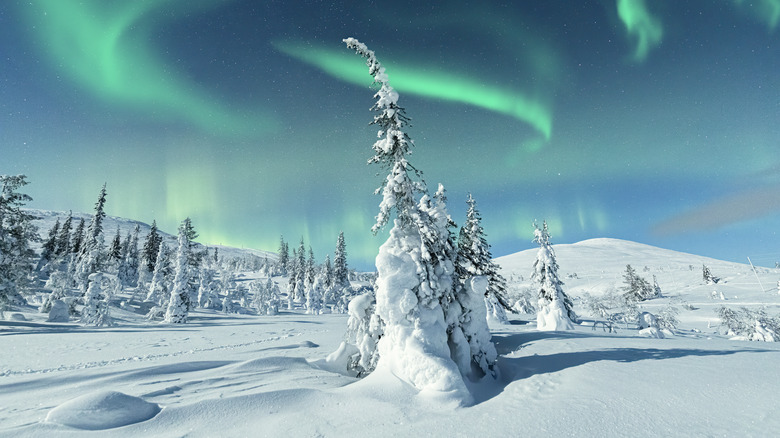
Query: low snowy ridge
{"x": 45, "y": 220}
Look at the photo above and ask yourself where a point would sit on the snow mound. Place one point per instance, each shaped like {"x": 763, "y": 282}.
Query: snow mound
{"x": 59, "y": 312}
{"x": 102, "y": 410}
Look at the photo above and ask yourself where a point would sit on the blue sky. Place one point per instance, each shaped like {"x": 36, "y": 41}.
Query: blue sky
{"x": 653, "y": 121}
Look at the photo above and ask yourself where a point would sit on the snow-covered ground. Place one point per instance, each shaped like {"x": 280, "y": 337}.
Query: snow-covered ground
{"x": 248, "y": 375}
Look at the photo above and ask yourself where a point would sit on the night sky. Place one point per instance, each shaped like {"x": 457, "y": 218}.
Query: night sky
{"x": 653, "y": 121}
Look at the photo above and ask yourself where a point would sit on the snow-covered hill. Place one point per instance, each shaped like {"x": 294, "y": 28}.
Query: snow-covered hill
{"x": 248, "y": 375}
{"x": 47, "y": 218}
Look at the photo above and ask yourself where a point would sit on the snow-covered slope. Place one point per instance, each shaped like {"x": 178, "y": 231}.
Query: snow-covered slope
{"x": 46, "y": 219}
{"x": 248, "y": 375}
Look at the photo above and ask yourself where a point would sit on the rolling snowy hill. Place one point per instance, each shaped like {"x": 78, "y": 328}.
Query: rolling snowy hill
{"x": 46, "y": 219}
{"x": 249, "y": 375}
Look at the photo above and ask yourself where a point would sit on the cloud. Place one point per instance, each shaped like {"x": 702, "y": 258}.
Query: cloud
{"x": 743, "y": 206}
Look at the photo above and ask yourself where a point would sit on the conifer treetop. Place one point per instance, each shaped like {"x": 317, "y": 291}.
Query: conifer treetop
{"x": 391, "y": 148}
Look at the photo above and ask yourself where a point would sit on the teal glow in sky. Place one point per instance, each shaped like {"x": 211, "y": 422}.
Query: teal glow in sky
{"x": 654, "y": 121}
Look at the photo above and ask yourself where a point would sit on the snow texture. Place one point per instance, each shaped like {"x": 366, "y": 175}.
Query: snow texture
{"x": 102, "y": 410}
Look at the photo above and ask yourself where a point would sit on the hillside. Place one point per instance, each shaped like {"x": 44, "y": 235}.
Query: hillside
{"x": 249, "y": 375}
{"x": 46, "y": 219}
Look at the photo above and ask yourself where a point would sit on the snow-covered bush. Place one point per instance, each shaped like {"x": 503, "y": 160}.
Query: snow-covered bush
{"x": 752, "y": 325}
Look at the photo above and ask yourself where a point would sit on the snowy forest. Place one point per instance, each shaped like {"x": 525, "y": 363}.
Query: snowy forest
{"x": 173, "y": 337}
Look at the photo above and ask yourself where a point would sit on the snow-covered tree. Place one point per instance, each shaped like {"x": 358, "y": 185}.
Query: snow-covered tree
{"x": 129, "y": 261}
{"x": 63, "y": 238}
{"x": 327, "y": 271}
{"x": 310, "y": 272}
{"x": 115, "y": 249}
{"x": 475, "y": 259}
{"x": 266, "y": 297}
{"x": 299, "y": 274}
{"x": 636, "y": 288}
{"x": 96, "y": 302}
{"x": 414, "y": 270}
{"x": 284, "y": 257}
{"x": 314, "y": 296}
{"x": 177, "y": 304}
{"x": 707, "y": 275}
{"x": 77, "y": 241}
{"x": 555, "y": 310}
{"x": 160, "y": 286}
{"x": 207, "y": 295}
{"x": 17, "y": 232}
{"x": 151, "y": 249}
{"x": 340, "y": 276}
{"x": 90, "y": 259}
{"x": 49, "y": 248}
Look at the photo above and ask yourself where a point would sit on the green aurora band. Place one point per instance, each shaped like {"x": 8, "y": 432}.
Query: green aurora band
{"x": 640, "y": 24}
{"x": 103, "y": 47}
{"x": 428, "y": 83}
{"x": 766, "y": 10}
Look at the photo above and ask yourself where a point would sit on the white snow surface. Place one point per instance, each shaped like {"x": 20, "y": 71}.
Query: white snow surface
{"x": 250, "y": 375}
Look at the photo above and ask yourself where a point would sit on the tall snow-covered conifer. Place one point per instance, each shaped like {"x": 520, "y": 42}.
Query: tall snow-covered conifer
{"x": 63, "y": 239}
{"x": 555, "y": 310}
{"x": 78, "y": 238}
{"x": 474, "y": 259}
{"x": 90, "y": 259}
{"x": 17, "y": 232}
{"x": 177, "y": 303}
{"x": 414, "y": 271}
{"x": 340, "y": 271}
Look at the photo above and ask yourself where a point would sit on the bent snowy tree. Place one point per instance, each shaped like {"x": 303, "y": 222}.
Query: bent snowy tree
{"x": 415, "y": 266}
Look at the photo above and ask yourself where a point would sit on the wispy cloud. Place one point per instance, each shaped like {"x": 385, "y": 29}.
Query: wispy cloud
{"x": 743, "y": 206}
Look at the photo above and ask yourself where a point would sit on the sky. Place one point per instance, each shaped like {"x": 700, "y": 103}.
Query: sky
{"x": 652, "y": 121}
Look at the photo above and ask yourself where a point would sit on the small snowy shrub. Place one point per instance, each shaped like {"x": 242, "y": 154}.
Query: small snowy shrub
{"x": 753, "y": 325}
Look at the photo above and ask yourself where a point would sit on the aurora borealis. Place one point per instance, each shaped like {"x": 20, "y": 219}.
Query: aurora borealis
{"x": 654, "y": 121}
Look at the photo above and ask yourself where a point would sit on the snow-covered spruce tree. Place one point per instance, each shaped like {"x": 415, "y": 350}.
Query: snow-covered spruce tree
{"x": 207, "y": 295}
{"x": 149, "y": 254}
{"x": 707, "y": 275}
{"x": 414, "y": 271}
{"x": 160, "y": 285}
{"x": 177, "y": 303}
{"x": 554, "y": 311}
{"x": 474, "y": 259}
{"x": 310, "y": 268}
{"x": 17, "y": 232}
{"x": 340, "y": 271}
{"x": 314, "y": 296}
{"x": 77, "y": 240}
{"x": 63, "y": 238}
{"x": 49, "y": 248}
{"x": 115, "y": 249}
{"x": 284, "y": 257}
{"x": 464, "y": 302}
{"x": 636, "y": 288}
{"x": 91, "y": 257}
{"x": 299, "y": 287}
{"x": 129, "y": 263}
{"x": 91, "y": 313}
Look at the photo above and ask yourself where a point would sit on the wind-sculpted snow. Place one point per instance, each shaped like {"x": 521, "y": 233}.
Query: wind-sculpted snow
{"x": 102, "y": 410}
